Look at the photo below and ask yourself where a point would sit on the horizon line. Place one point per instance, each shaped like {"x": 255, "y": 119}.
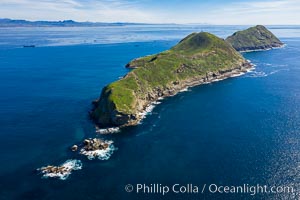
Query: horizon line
{"x": 144, "y": 23}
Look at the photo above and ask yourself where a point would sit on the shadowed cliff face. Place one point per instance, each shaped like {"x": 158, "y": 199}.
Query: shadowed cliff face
{"x": 254, "y": 38}
{"x": 198, "y": 58}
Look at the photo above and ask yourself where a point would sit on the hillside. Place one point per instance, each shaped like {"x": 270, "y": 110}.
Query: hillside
{"x": 254, "y": 38}
{"x": 199, "y": 58}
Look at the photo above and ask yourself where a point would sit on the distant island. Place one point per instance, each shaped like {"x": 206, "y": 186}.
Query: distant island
{"x": 64, "y": 23}
{"x": 197, "y": 59}
{"x": 254, "y": 39}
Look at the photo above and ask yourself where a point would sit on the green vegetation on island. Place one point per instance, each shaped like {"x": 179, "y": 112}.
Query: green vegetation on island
{"x": 254, "y": 38}
{"x": 199, "y": 58}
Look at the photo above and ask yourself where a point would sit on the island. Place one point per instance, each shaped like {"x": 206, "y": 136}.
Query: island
{"x": 197, "y": 59}
{"x": 254, "y": 39}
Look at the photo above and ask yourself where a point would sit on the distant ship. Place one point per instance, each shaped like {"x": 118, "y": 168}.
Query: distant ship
{"x": 28, "y": 46}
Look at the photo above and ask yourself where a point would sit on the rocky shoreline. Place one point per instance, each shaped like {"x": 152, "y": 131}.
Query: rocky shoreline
{"x": 154, "y": 96}
{"x": 277, "y": 46}
{"x": 209, "y": 78}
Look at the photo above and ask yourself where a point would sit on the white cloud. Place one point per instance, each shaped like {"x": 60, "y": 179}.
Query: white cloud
{"x": 262, "y": 12}
{"x": 89, "y": 10}
{"x": 251, "y": 12}
{"x": 275, "y": 7}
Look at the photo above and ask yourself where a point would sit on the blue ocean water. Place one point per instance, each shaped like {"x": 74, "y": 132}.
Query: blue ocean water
{"x": 243, "y": 130}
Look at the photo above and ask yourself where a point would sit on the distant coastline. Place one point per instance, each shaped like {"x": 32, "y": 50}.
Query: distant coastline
{"x": 64, "y": 23}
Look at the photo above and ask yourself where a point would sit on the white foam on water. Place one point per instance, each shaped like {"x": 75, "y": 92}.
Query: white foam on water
{"x": 101, "y": 154}
{"x": 156, "y": 102}
{"x": 217, "y": 79}
{"x": 275, "y": 71}
{"x": 248, "y": 51}
{"x": 69, "y": 166}
{"x": 148, "y": 109}
{"x": 260, "y": 74}
{"x": 238, "y": 74}
{"x": 184, "y": 90}
{"x": 281, "y": 47}
{"x": 282, "y": 65}
{"x": 257, "y": 74}
{"x": 251, "y": 69}
{"x": 108, "y": 130}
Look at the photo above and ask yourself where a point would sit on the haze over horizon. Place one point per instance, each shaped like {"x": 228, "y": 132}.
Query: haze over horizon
{"x": 244, "y": 12}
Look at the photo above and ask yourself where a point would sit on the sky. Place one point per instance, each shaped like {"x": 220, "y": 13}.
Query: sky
{"x": 231, "y": 12}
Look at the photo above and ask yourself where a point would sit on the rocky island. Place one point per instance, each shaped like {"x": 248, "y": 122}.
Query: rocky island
{"x": 97, "y": 148}
{"x": 197, "y": 59}
{"x": 254, "y": 39}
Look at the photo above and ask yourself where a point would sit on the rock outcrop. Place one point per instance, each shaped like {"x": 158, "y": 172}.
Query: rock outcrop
{"x": 62, "y": 171}
{"x": 97, "y": 148}
{"x": 94, "y": 144}
{"x": 253, "y": 39}
{"x": 54, "y": 169}
{"x": 74, "y": 148}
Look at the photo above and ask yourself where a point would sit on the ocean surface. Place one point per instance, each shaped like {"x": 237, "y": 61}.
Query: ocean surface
{"x": 243, "y": 130}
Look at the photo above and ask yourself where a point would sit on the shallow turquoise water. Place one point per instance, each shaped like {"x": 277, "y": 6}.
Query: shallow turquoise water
{"x": 243, "y": 130}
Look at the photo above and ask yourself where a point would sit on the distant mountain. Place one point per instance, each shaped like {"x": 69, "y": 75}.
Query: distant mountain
{"x": 64, "y": 23}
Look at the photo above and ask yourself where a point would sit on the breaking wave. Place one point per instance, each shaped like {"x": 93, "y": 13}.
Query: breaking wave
{"x": 108, "y": 130}
{"x": 259, "y": 74}
{"x": 185, "y": 90}
{"x": 149, "y": 109}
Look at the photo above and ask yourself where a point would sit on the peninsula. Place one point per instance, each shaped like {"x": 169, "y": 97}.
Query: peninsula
{"x": 197, "y": 59}
{"x": 254, "y": 39}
